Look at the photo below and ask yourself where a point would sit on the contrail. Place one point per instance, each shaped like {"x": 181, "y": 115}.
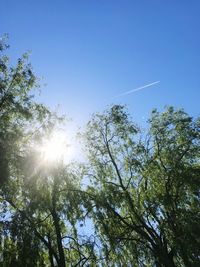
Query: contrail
{"x": 138, "y": 89}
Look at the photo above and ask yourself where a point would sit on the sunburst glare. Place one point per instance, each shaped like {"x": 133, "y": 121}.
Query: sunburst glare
{"x": 54, "y": 148}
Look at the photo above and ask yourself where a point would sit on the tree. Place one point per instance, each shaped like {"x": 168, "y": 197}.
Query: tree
{"x": 143, "y": 198}
{"x": 48, "y": 207}
{"x": 19, "y": 114}
{"x": 144, "y": 190}
{"x": 40, "y": 204}
{"x": 22, "y": 120}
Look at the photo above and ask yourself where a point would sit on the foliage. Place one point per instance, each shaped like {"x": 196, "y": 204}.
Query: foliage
{"x": 39, "y": 203}
{"x": 142, "y": 198}
{"x": 145, "y": 188}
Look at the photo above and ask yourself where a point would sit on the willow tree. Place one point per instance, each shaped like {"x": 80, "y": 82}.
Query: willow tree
{"x": 21, "y": 120}
{"x": 144, "y": 191}
{"x": 39, "y": 202}
{"x": 20, "y": 115}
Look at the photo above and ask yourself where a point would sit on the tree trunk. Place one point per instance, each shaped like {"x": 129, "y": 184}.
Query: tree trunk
{"x": 58, "y": 238}
{"x": 50, "y": 252}
{"x": 163, "y": 258}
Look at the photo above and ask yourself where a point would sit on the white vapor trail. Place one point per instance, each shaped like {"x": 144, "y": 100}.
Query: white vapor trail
{"x": 138, "y": 89}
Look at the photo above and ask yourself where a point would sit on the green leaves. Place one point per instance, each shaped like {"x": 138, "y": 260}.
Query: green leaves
{"x": 144, "y": 187}
{"x": 141, "y": 194}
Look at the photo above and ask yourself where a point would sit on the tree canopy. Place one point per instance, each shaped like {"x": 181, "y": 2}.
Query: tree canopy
{"x": 140, "y": 204}
{"x": 145, "y": 187}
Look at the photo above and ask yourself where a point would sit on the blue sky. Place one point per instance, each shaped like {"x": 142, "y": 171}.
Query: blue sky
{"x": 89, "y": 51}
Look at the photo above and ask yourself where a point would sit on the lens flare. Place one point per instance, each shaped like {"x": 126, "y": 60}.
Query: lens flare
{"x": 54, "y": 148}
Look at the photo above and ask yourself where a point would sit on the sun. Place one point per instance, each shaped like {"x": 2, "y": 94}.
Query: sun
{"x": 53, "y": 148}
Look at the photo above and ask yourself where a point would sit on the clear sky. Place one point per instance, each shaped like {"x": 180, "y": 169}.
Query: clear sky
{"x": 89, "y": 51}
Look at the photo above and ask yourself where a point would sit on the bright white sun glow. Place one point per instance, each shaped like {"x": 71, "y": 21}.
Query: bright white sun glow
{"x": 54, "y": 148}
{"x": 60, "y": 147}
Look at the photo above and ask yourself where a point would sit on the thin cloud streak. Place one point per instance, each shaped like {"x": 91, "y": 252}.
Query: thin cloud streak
{"x": 138, "y": 89}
